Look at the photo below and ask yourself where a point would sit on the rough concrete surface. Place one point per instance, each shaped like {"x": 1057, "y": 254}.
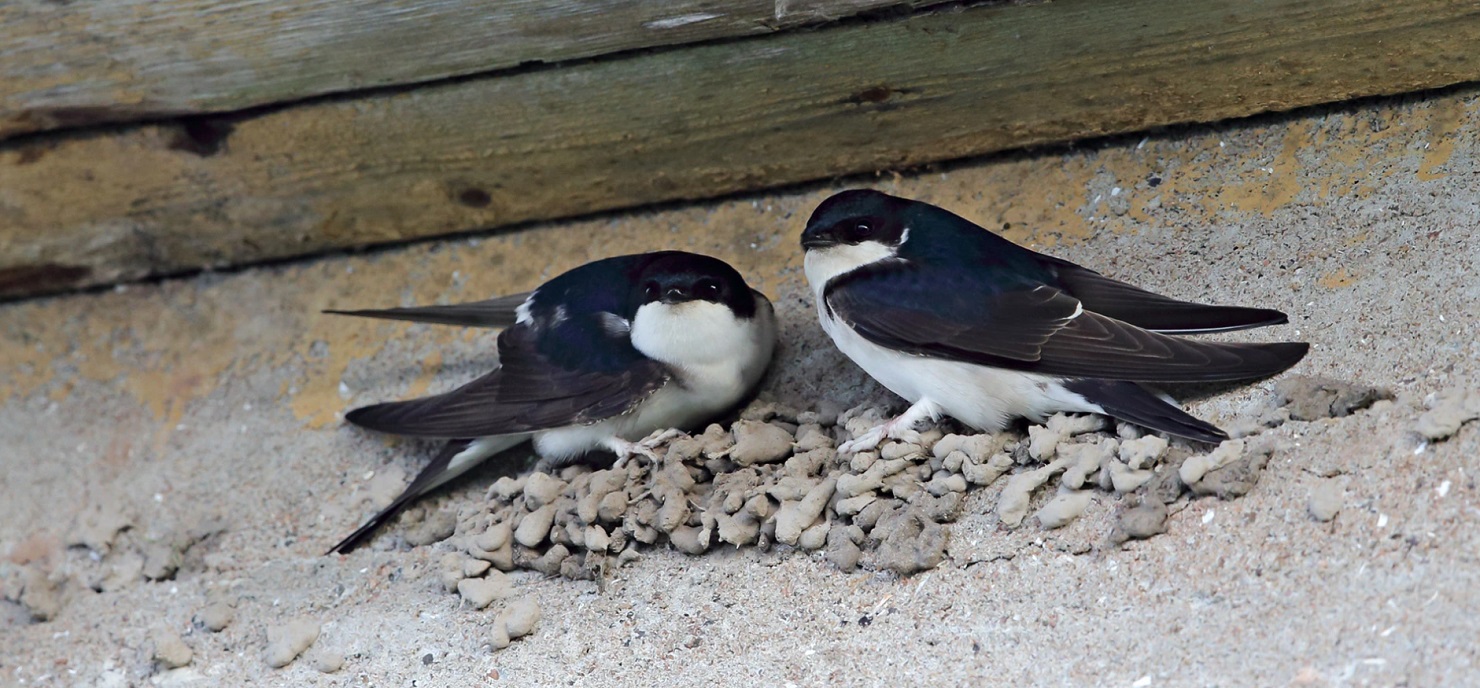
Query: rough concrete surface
{"x": 174, "y": 464}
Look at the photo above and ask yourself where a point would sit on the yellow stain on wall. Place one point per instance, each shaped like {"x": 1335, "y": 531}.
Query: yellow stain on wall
{"x": 1274, "y": 186}
{"x": 1337, "y": 279}
{"x": 1445, "y": 118}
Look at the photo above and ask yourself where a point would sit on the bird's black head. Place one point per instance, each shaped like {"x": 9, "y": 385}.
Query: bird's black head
{"x": 854, "y": 217}
{"x": 674, "y": 277}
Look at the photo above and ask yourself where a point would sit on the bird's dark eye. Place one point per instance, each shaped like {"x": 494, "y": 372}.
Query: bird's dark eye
{"x": 707, "y": 289}
{"x": 861, "y": 231}
{"x": 651, "y": 291}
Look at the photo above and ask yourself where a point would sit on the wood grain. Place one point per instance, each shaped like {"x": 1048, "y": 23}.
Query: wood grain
{"x": 66, "y": 63}
{"x": 691, "y": 123}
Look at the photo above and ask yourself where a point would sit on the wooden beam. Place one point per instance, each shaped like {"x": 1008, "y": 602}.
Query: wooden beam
{"x": 692, "y": 123}
{"x": 65, "y": 64}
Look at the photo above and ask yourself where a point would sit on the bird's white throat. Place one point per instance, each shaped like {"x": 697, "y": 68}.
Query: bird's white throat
{"x": 823, "y": 264}
{"x": 694, "y": 334}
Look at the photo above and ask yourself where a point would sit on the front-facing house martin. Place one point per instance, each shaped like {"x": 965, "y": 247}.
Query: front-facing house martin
{"x": 595, "y": 359}
{"x": 962, "y": 322}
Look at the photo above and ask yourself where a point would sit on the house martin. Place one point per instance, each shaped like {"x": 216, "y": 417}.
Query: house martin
{"x": 964, "y": 323}
{"x": 598, "y": 358}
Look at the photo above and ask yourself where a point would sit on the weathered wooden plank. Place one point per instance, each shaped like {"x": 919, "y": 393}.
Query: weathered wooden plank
{"x": 69, "y": 63}
{"x": 693, "y": 123}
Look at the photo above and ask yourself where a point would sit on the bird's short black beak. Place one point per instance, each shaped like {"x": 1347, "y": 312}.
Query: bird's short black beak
{"x": 814, "y": 237}
{"x": 674, "y": 295}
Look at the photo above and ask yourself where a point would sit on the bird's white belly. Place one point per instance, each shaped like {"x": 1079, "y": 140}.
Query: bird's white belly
{"x": 674, "y": 406}
{"x": 982, "y": 397}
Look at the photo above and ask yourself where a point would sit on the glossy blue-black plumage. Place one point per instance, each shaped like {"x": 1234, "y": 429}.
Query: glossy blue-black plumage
{"x": 571, "y": 313}
{"x": 953, "y": 290}
{"x": 571, "y": 359}
{"x": 566, "y": 358}
{"x": 942, "y": 287}
{"x": 966, "y": 257}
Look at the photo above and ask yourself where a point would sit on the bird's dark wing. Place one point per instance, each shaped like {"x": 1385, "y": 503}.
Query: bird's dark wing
{"x": 1033, "y": 328}
{"x": 532, "y": 389}
{"x": 428, "y": 476}
{"x": 1129, "y": 401}
{"x": 497, "y": 312}
{"x": 1115, "y": 299}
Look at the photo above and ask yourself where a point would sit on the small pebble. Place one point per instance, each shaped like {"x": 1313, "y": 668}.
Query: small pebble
{"x": 480, "y": 592}
{"x": 870, "y": 515}
{"x": 903, "y": 485}
{"x": 1195, "y": 467}
{"x": 954, "y": 482}
{"x": 954, "y": 461}
{"x": 815, "y": 536}
{"x": 549, "y": 562}
{"x": 810, "y": 463}
{"x": 811, "y": 437}
{"x": 1128, "y": 431}
{"x": 979, "y": 448}
{"x": 1325, "y": 500}
{"x": 1123, "y": 479}
{"x": 496, "y": 536}
{"x": 41, "y": 594}
{"x": 794, "y": 517}
{"x": 434, "y": 528}
{"x": 472, "y": 568}
{"x": 1078, "y": 424}
{"x": 717, "y": 440}
{"x": 943, "y": 509}
{"x": 791, "y": 488}
{"x": 909, "y": 543}
{"x": 929, "y": 437}
{"x": 1042, "y": 442}
{"x": 842, "y": 550}
{"x": 1234, "y": 479}
{"x": 1087, "y": 461}
{"x": 612, "y": 507}
{"x": 862, "y": 461}
{"x": 947, "y": 444}
{"x": 690, "y": 539}
{"x": 535, "y": 526}
{"x": 853, "y": 505}
{"x": 596, "y": 538}
{"x": 161, "y": 561}
{"x": 216, "y": 616}
{"x": 450, "y": 570}
{"x": 520, "y": 617}
{"x": 507, "y": 488}
{"x": 286, "y": 642}
{"x": 988, "y": 472}
{"x": 739, "y": 529}
{"x": 170, "y": 650}
{"x": 1448, "y": 411}
{"x": 761, "y": 507}
{"x": 900, "y": 450}
{"x": 541, "y": 489}
{"x": 1144, "y": 452}
{"x": 574, "y": 567}
{"x": 759, "y": 443}
{"x": 674, "y": 512}
{"x": 498, "y": 636}
{"x": 1012, "y": 505}
{"x": 1064, "y": 508}
{"x": 1144, "y": 521}
{"x": 328, "y": 661}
